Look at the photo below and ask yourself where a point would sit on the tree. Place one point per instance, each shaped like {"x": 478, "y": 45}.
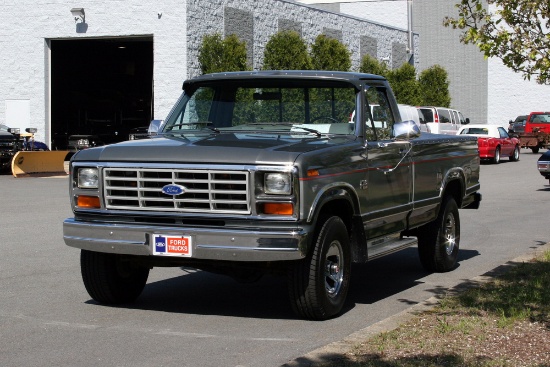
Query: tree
{"x": 404, "y": 84}
{"x": 434, "y": 87}
{"x": 218, "y": 55}
{"x": 330, "y": 54}
{"x": 430, "y": 88}
{"x": 371, "y": 65}
{"x": 286, "y": 50}
{"x": 517, "y": 33}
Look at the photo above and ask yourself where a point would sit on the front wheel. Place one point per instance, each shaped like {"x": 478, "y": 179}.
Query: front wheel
{"x": 438, "y": 241}
{"x": 515, "y": 156}
{"x": 111, "y": 278}
{"x": 318, "y": 284}
{"x": 535, "y": 150}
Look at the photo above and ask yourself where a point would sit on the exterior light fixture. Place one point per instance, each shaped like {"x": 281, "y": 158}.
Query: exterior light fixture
{"x": 78, "y": 14}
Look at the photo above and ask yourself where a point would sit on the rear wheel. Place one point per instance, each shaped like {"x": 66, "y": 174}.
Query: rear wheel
{"x": 535, "y": 150}
{"x": 111, "y": 278}
{"x": 496, "y": 158}
{"x": 515, "y": 156}
{"x": 318, "y": 284}
{"x": 438, "y": 241}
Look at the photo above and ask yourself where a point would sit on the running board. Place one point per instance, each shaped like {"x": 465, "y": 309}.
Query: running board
{"x": 391, "y": 246}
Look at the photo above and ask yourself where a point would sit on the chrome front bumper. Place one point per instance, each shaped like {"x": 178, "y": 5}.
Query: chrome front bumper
{"x": 212, "y": 244}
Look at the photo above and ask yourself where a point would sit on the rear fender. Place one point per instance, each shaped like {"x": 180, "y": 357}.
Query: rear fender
{"x": 454, "y": 184}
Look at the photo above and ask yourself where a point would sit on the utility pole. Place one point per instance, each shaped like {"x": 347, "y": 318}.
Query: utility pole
{"x": 410, "y": 41}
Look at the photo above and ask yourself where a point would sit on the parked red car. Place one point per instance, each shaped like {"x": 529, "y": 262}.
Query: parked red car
{"x": 493, "y": 142}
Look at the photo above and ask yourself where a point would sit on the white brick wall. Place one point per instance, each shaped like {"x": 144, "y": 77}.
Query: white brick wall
{"x": 206, "y": 17}
{"x": 510, "y": 95}
{"x": 392, "y": 13}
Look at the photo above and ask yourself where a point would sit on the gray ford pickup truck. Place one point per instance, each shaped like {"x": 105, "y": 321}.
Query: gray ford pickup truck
{"x": 274, "y": 171}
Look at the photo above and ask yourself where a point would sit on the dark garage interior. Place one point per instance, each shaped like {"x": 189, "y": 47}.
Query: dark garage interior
{"x": 100, "y": 87}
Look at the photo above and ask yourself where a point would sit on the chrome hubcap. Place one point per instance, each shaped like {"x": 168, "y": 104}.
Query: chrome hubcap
{"x": 450, "y": 234}
{"x": 334, "y": 273}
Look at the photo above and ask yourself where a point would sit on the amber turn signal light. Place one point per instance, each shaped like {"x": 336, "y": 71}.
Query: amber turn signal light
{"x": 88, "y": 202}
{"x": 278, "y": 208}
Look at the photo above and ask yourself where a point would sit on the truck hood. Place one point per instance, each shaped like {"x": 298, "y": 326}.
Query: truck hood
{"x": 222, "y": 148}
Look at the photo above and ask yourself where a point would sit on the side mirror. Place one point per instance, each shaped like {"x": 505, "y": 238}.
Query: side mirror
{"x": 405, "y": 130}
{"x": 467, "y": 121}
{"x": 154, "y": 127}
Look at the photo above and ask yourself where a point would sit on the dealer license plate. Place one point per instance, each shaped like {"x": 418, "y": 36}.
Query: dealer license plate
{"x": 170, "y": 245}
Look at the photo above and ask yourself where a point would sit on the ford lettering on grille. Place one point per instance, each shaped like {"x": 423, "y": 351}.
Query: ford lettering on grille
{"x": 173, "y": 189}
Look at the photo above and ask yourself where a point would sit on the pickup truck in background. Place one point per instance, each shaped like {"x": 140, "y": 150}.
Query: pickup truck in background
{"x": 264, "y": 172}
{"x": 534, "y": 132}
{"x": 517, "y": 126}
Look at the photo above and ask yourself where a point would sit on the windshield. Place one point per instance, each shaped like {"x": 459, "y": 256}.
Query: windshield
{"x": 302, "y": 110}
{"x": 542, "y": 118}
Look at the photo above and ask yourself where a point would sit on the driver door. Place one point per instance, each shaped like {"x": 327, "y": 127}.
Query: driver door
{"x": 389, "y": 174}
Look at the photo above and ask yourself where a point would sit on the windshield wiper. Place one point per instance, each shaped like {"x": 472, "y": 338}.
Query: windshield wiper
{"x": 195, "y": 124}
{"x": 313, "y": 131}
{"x": 200, "y": 125}
{"x": 214, "y": 129}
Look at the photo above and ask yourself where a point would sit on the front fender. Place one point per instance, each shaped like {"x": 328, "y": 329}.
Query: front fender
{"x": 333, "y": 191}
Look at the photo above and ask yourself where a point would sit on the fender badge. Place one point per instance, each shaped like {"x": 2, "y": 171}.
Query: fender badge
{"x": 173, "y": 189}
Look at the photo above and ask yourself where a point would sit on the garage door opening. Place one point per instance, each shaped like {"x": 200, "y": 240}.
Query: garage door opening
{"x": 100, "y": 87}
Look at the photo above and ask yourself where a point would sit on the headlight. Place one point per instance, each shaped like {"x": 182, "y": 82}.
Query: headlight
{"x": 88, "y": 178}
{"x": 83, "y": 142}
{"x": 278, "y": 183}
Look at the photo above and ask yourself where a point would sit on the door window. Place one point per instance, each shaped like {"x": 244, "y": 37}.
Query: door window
{"x": 379, "y": 114}
{"x": 461, "y": 118}
{"x": 456, "y": 120}
{"x": 444, "y": 115}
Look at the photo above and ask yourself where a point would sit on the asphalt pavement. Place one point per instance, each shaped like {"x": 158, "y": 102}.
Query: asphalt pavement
{"x": 194, "y": 318}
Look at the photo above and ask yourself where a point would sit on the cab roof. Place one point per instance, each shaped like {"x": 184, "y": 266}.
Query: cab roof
{"x": 357, "y": 79}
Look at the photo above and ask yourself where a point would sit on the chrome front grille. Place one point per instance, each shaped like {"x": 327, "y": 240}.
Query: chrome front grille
{"x": 205, "y": 191}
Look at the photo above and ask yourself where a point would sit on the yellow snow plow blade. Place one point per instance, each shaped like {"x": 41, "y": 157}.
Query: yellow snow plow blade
{"x": 39, "y": 163}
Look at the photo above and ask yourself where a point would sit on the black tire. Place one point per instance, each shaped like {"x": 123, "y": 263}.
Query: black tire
{"x": 496, "y": 158}
{"x": 535, "y": 150}
{"x": 318, "y": 284}
{"x": 109, "y": 279}
{"x": 515, "y": 156}
{"x": 438, "y": 241}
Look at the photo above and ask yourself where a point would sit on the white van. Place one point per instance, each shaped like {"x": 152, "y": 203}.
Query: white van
{"x": 409, "y": 113}
{"x": 441, "y": 120}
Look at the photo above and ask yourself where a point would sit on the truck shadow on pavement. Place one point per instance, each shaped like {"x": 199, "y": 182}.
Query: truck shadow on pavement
{"x": 202, "y": 293}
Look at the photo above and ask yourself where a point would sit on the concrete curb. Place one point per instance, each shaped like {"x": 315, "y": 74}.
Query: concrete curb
{"x": 328, "y": 352}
